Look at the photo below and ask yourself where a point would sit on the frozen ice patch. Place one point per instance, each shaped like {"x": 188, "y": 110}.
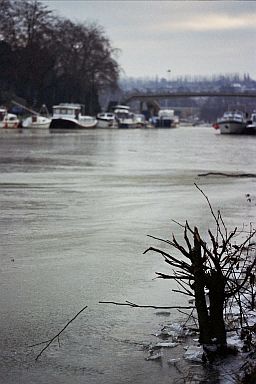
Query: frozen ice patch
{"x": 194, "y": 353}
{"x": 167, "y": 345}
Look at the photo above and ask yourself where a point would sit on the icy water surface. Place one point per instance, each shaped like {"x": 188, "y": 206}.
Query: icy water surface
{"x": 76, "y": 209}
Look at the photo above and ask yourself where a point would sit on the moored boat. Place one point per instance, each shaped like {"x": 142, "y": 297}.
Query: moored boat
{"x": 125, "y": 118}
{"x": 37, "y": 122}
{"x": 8, "y": 120}
{"x": 250, "y": 128}
{"x": 166, "y": 119}
{"x": 69, "y": 116}
{"x": 232, "y": 122}
{"x": 140, "y": 120}
{"x": 106, "y": 120}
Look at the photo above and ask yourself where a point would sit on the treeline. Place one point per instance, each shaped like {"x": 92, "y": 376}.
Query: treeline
{"x": 45, "y": 59}
{"x": 227, "y": 82}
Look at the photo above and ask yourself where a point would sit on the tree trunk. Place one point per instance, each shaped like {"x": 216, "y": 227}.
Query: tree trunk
{"x": 216, "y": 287}
{"x": 199, "y": 284}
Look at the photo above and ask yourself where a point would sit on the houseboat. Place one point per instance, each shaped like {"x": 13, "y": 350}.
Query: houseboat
{"x": 69, "y": 116}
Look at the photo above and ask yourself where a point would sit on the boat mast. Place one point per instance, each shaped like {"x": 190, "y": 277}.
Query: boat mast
{"x": 26, "y": 108}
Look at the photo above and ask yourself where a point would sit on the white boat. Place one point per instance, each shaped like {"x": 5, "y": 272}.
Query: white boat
{"x": 251, "y": 124}
{"x": 69, "y": 116}
{"x": 140, "y": 120}
{"x": 106, "y": 120}
{"x": 125, "y": 118}
{"x": 166, "y": 119}
{"x": 8, "y": 120}
{"x": 37, "y": 122}
{"x": 233, "y": 122}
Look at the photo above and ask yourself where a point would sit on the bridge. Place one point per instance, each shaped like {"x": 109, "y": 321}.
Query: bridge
{"x": 168, "y": 95}
{"x": 152, "y": 99}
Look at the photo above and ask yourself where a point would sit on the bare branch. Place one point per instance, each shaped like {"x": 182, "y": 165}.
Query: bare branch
{"x": 176, "y": 222}
{"x": 215, "y": 249}
{"x": 183, "y": 293}
{"x": 164, "y": 276}
{"x": 212, "y": 212}
{"x": 179, "y": 247}
{"x": 133, "y": 305}
{"x": 176, "y": 262}
{"x": 244, "y": 281}
{"x": 182, "y": 285}
{"x": 187, "y": 239}
{"x": 226, "y": 242}
{"x": 49, "y": 342}
{"x": 158, "y": 238}
{"x": 228, "y": 174}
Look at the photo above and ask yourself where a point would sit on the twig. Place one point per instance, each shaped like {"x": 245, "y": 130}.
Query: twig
{"x": 227, "y": 174}
{"x": 190, "y": 316}
{"x": 57, "y": 335}
{"x": 183, "y": 293}
{"x": 212, "y": 211}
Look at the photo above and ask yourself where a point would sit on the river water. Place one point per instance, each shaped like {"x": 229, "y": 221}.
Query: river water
{"x": 76, "y": 209}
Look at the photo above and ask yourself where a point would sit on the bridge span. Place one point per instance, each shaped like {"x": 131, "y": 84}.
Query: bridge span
{"x": 169, "y": 95}
{"x": 152, "y": 100}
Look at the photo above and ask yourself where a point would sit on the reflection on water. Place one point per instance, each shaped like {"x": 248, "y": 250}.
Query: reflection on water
{"x": 76, "y": 209}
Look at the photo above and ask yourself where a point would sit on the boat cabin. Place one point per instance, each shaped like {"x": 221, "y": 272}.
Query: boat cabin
{"x": 106, "y": 116}
{"x": 166, "y": 113}
{"x": 123, "y": 112}
{"x": 67, "y": 111}
{"x": 233, "y": 115}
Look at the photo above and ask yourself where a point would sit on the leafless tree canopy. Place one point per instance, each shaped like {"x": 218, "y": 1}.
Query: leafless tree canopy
{"x": 48, "y": 59}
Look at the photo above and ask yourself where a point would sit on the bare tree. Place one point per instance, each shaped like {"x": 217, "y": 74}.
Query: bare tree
{"x": 49, "y": 59}
{"x": 217, "y": 274}
{"x": 85, "y": 61}
{"x": 210, "y": 272}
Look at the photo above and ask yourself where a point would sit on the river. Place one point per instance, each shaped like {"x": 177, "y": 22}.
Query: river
{"x": 76, "y": 209}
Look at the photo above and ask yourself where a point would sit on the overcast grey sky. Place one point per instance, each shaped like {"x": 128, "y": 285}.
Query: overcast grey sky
{"x": 187, "y": 37}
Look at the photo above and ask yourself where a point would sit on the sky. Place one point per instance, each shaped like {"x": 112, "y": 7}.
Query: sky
{"x": 173, "y": 38}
